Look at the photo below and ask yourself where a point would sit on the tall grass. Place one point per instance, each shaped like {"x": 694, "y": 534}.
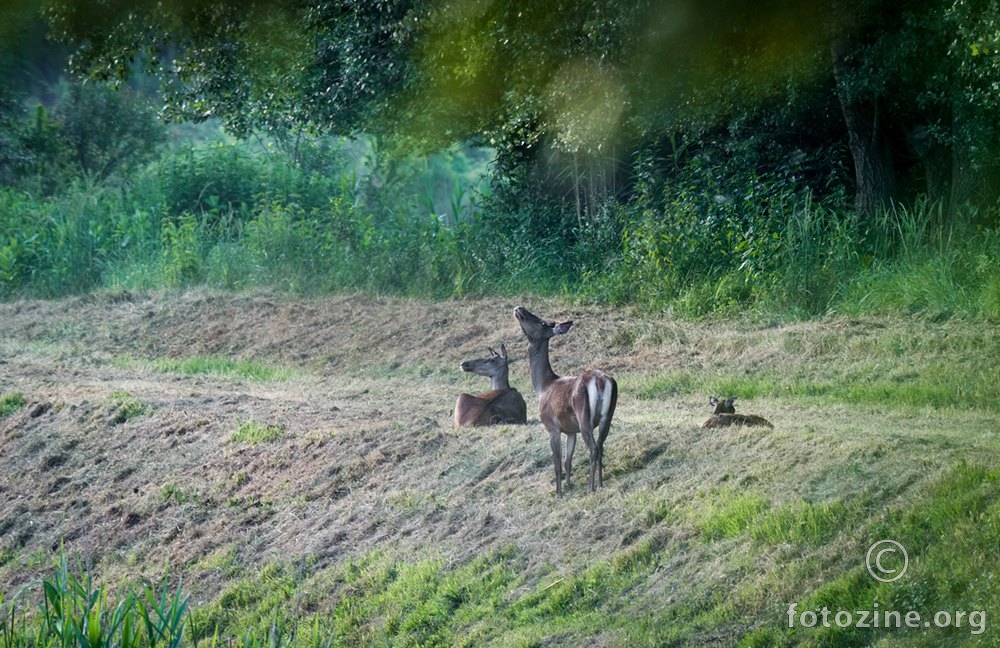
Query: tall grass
{"x": 787, "y": 254}
{"x": 74, "y": 612}
{"x": 925, "y": 263}
{"x": 225, "y": 216}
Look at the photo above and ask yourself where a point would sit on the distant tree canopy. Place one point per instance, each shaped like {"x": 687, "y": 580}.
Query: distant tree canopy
{"x": 908, "y": 89}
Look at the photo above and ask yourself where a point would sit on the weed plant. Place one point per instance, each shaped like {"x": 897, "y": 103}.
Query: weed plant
{"x": 126, "y": 407}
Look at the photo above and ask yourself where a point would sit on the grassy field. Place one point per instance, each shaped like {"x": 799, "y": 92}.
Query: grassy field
{"x": 207, "y": 469}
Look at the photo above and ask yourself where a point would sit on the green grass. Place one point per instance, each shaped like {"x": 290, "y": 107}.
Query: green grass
{"x": 75, "y": 611}
{"x": 126, "y": 406}
{"x": 223, "y": 367}
{"x": 903, "y": 366}
{"x": 12, "y": 402}
{"x": 253, "y": 432}
{"x": 941, "y": 388}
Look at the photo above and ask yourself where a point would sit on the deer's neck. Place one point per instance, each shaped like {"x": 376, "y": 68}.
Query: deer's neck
{"x": 541, "y": 371}
{"x": 500, "y": 380}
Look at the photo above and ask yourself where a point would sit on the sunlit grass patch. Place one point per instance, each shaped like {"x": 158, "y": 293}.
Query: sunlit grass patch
{"x": 801, "y": 522}
{"x": 12, "y": 402}
{"x": 220, "y": 366}
{"x": 253, "y": 432}
{"x": 727, "y": 513}
{"x": 126, "y": 406}
{"x": 247, "y": 606}
{"x": 372, "y": 599}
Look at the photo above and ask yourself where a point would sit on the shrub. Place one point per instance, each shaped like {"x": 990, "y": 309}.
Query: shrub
{"x": 182, "y": 257}
{"x": 107, "y": 130}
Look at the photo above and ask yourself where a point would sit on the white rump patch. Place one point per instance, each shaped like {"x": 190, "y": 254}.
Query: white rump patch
{"x": 592, "y": 396}
{"x": 606, "y": 400}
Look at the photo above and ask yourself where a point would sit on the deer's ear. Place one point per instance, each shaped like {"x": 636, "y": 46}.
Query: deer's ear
{"x": 562, "y": 327}
{"x": 712, "y": 400}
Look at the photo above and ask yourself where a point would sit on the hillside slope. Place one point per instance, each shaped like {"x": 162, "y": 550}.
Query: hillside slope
{"x": 254, "y": 439}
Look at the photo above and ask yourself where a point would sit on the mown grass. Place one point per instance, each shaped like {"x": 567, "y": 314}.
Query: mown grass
{"x": 898, "y": 366}
{"x": 950, "y": 528}
{"x": 713, "y": 536}
{"x": 724, "y": 565}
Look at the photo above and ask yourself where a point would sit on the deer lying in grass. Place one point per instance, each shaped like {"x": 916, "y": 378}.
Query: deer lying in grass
{"x": 725, "y": 415}
{"x": 569, "y": 405}
{"x": 499, "y": 405}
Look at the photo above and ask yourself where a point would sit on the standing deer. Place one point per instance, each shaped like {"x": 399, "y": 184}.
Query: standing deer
{"x": 725, "y": 415}
{"x": 571, "y": 404}
{"x": 499, "y": 405}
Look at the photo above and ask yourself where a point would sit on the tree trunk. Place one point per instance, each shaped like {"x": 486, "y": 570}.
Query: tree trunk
{"x": 874, "y": 170}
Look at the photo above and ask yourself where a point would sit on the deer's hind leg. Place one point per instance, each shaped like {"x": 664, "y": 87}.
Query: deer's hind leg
{"x": 555, "y": 445}
{"x": 583, "y": 401}
{"x": 607, "y": 411}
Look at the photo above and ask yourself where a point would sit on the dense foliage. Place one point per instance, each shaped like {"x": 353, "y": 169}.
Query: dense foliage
{"x": 787, "y": 157}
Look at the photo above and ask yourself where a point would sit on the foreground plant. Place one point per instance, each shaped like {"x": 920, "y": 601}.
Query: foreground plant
{"x": 73, "y": 612}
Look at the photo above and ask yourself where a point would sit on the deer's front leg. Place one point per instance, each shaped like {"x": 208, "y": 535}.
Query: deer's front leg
{"x": 570, "y": 447}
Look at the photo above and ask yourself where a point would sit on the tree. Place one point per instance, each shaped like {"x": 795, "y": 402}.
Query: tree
{"x": 917, "y": 84}
{"x": 572, "y": 87}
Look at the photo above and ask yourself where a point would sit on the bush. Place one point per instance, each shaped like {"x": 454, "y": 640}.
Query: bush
{"x": 92, "y": 133}
{"x": 107, "y": 130}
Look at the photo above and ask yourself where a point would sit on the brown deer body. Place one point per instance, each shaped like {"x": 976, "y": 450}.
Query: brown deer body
{"x": 725, "y": 415}
{"x": 569, "y": 405}
{"x": 499, "y": 405}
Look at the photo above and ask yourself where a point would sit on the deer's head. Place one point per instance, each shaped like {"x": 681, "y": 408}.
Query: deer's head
{"x": 491, "y": 365}
{"x": 723, "y": 406}
{"x": 538, "y": 329}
